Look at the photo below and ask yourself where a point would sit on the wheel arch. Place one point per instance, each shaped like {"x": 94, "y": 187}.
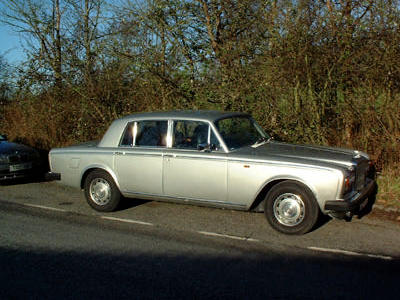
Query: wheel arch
{"x": 258, "y": 203}
{"x": 92, "y": 168}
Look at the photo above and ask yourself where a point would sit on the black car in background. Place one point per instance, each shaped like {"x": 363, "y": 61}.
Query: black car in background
{"x": 17, "y": 160}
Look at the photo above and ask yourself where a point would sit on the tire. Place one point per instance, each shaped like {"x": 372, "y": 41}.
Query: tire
{"x": 291, "y": 208}
{"x": 101, "y": 192}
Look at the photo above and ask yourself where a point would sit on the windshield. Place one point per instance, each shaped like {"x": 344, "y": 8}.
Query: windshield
{"x": 2, "y": 138}
{"x": 238, "y": 132}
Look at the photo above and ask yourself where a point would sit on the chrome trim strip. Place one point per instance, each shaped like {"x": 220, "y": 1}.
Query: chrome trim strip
{"x": 143, "y": 154}
{"x": 271, "y": 162}
{"x": 195, "y": 157}
{"x": 110, "y": 151}
{"x": 192, "y": 155}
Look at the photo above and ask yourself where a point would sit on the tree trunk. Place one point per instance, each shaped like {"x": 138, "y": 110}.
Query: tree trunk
{"x": 58, "y": 50}
{"x": 87, "y": 45}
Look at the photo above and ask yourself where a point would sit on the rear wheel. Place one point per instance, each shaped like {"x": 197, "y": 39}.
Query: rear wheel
{"x": 291, "y": 208}
{"x": 101, "y": 192}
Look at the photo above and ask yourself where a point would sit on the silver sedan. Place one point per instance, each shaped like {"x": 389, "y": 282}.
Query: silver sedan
{"x": 216, "y": 159}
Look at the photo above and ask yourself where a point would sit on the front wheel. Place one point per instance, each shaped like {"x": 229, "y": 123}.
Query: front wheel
{"x": 291, "y": 208}
{"x": 101, "y": 192}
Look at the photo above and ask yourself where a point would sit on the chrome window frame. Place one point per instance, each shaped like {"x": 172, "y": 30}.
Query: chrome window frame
{"x": 170, "y": 128}
{"x": 123, "y": 135}
{"x": 135, "y": 132}
{"x": 211, "y": 127}
{"x": 220, "y": 138}
{"x": 147, "y": 146}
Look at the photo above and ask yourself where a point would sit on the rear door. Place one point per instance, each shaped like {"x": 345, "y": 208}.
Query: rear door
{"x": 139, "y": 159}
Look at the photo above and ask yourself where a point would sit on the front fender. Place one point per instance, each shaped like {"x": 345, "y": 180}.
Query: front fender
{"x": 324, "y": 185}
{"x": 283, "y": 177}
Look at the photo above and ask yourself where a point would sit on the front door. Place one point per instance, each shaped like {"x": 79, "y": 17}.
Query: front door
{"x": 191, "y": 173}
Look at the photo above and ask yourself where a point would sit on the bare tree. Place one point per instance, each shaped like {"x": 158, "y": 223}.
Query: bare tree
{"x": 40, "y": 23}
{"x": 5, "y": 84}
{"x": 85, "y": 45}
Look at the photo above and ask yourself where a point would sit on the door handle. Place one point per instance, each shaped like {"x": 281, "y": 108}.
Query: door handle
{"x": 119, "y": 153}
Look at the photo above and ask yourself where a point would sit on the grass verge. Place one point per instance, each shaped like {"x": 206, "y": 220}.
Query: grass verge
{"x": 389, "y": 188}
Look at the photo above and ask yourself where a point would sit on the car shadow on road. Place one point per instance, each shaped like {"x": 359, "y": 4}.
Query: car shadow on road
{"x": 128, "y": 203}
{"x": 46, "y": 274}
{"x": 322, "y": 220}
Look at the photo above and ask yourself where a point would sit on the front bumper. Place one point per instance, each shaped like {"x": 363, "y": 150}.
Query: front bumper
{"x": 30, "y": 169}
{"x": 12, "y": 176}
{"x": 354, "y": 205}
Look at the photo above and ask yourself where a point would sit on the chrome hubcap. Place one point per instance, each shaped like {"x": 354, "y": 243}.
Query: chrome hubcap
{"x": 100, "y": 191}
{"x": 289, "y": 209}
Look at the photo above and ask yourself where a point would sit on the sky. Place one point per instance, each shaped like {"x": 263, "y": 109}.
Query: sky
{"x": 10, "y": 45}
{"x": 11, "y": 48}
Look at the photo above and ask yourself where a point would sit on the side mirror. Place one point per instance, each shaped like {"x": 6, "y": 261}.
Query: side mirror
{"x": 204, "y": 147}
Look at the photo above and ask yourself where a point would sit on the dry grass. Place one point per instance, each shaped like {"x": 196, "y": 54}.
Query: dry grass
{"x": 389, "y": 187}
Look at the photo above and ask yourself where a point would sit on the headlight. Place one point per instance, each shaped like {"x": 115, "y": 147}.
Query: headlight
{"x": 3, "y": 158}
{"x": 349, "y": 180}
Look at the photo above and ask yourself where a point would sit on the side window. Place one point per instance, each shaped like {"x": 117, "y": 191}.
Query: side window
{"x": 192, "y": 134}
{"x": 189, "y": 134}
{"x": 152, "y": 133}
{"x": 127, "y": 139}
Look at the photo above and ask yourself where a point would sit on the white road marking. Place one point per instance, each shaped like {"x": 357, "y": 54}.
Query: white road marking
{"x": 346, "y": 252}
{"x": 127, "y": 221}
{"x": 45, "y": 207}
{"x": 234, "y": 237}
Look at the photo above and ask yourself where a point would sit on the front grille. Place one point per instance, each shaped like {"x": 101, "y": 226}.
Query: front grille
{"x": 14, "y": 158}
{"x": 361, "y": 174}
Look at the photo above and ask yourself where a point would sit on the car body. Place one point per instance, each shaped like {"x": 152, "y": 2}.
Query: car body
{"x": 221, "y": 159}
{"x": 17, "y": 160}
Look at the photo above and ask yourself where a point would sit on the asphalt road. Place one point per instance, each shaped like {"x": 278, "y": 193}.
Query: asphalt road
{"x": 52, "y": 245}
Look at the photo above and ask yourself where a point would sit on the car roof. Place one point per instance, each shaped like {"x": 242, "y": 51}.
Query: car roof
{"x": 113, "y": 134}
{"x": 209, "y": 115}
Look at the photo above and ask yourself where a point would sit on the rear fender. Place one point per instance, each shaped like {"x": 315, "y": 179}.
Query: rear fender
{"x": 90, "y": 168}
